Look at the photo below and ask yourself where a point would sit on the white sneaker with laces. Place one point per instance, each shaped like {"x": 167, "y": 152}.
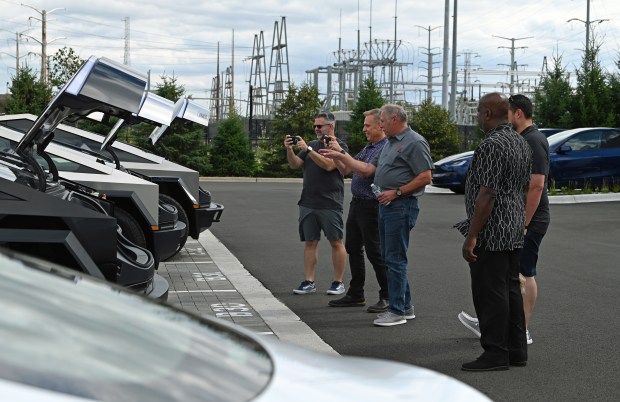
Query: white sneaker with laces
{"x": 471, "y": 323}
{"x": 389, "y": 319}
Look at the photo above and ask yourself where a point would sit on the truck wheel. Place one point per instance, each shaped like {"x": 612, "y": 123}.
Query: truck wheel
{"x": 130, "y": 227}
{"x": 181, "y": 214}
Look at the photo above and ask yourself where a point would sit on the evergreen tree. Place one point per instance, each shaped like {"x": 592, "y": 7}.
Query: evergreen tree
{"x": 369, "y": 98}
{"x": 28, "y": 94}
{"x": 295, "y": 116}
{"x": 231, "y": 154}
{"x": 553, "y": 98}
{"x": 614, "y": 93}
{"x": 592, "y": 106}
{"x": 434, "y": 123}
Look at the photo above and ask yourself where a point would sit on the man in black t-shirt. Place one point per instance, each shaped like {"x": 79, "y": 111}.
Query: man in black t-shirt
{"x": 321, "y": 203}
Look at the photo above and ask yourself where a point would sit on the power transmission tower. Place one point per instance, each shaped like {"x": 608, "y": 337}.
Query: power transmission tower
{"x": 429, "y": 54}
{"x": 279, "y": 75}
{"x": 258, "y": 105}
{"x": 214, "y": 105}
{"x": 587, "y": 23}
{"x": 513, "y": 64}
{"x": 126, "y": 55}
{"x": 228, "y": 94}
{"x": 44, "y": 42}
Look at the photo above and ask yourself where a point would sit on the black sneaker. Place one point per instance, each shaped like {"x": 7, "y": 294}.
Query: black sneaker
{"x": 380, "y": 307}
{"x": 482, "y": 365}
{"x": 347, "y": 301}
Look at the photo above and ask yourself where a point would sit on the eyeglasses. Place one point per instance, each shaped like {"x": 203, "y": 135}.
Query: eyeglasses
{"x": 319, "y": 126}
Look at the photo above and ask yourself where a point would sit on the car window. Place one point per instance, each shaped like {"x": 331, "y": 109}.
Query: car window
{"x": 65, "y": 165}
{"x": 611, "y": 139}
{"x": 21, "y": 125}
{"x": 5, "y": 145}
{"x": 585, "y": 141}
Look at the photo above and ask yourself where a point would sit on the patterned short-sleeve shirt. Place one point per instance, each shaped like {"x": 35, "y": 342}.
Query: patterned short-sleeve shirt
{"x": 502, "y": 162}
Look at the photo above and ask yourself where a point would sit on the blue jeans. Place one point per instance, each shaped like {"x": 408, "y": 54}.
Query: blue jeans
{"x": 395, "y": 223}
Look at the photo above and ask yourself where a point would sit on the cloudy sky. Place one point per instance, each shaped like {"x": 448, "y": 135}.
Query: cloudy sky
{"x": 181, "y": 37}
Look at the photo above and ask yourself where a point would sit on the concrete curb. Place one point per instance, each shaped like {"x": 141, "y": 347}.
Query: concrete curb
{"x": 285, "y": 324}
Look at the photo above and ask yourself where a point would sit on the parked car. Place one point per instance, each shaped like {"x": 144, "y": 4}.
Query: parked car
{"x": 450, "y": 172}
{"x": 69, "y": 337}
{"x": 578, "y": 157}
{"x": 585, "y": 156}
{"x": 103, "y": 85}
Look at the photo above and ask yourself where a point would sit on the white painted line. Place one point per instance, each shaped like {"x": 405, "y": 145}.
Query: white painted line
{"x": 187, "y": 262}
{"x": 204, "y": 291}
{"x": 286, "y": 325}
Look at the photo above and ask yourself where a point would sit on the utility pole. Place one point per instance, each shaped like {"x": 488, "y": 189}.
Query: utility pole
{"x": 587, "y": 23}
{"x": 18, "y": 36}
{"x": 232, "y": 81}
{"x": 513, "y": 65}
{"x": 452, "y": 109}
{"x": 126, "y": 58}
{"x": 43, "y": 40}
{"x": 429, "y": 76}
{"x": 446, "y": 44}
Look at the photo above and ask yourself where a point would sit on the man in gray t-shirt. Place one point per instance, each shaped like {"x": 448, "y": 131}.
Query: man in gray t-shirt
{"x": 402, "y": 170}
{"x": 321, "y": 203}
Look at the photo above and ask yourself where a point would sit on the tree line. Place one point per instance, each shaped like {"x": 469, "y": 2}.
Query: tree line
{"x": 594, "y": 101}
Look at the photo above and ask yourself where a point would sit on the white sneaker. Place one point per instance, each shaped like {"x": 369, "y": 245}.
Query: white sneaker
{"x": 471, "y": 323}
{"x": 389, "y": 319}
{"x": 528, "y": 337}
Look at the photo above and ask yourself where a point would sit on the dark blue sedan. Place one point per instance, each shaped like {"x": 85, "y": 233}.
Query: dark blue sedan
{"x": 578, "y": 157}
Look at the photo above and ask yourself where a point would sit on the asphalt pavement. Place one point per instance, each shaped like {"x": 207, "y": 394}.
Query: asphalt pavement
{"x": 251, "y": 261}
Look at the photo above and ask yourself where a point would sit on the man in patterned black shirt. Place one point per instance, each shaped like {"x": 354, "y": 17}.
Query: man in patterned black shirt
{"x": 363, "y": 220}
{"x": 495, "y": 204}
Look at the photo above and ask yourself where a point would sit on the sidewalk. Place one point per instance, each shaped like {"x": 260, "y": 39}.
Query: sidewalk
{"x": 206, "y": 279}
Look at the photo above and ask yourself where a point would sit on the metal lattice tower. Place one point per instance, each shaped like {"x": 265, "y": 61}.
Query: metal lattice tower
{"x": 259, "y": 107}
{"x": 226, "y": 98}
{"x": 279, "y": 75}
{"x": 215, "y": 109}
{"x": 126, "y": 56}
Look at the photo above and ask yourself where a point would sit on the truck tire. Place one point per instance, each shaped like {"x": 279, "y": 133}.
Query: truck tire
{"x": 181, "y": 215}
{"x": 130, "y": 227}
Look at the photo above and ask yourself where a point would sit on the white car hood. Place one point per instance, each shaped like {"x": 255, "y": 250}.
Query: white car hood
{"x": 303, "y": 377}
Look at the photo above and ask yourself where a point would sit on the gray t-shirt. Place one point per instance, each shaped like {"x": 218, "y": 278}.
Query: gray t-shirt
{"x": 403, "y": 158}
{"x": 321, "y": 189}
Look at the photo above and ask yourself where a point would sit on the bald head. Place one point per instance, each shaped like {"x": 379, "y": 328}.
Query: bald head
{"x": 492, "y": 110}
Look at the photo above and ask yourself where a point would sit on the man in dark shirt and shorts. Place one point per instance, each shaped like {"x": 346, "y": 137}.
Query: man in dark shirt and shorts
{"x": 321, "y": 203}
{"x": 496, "y": 184}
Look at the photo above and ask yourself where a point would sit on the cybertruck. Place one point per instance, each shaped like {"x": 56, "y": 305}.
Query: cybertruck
{"x": 69, "y": 224}
{"x": 105, "y": 86}
{"x": 178, "y": 185}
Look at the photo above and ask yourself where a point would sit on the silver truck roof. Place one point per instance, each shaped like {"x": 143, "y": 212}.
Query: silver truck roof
{"x": 99, "y": 85}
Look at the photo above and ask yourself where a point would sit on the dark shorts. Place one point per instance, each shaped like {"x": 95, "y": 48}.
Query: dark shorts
{"x": 312, "y": 221}
{"x": 529, "y": 253}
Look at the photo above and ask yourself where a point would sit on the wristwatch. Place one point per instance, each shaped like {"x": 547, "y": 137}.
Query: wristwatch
{"x": 398, "y": 192}
{"x": 310, "y": 149}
